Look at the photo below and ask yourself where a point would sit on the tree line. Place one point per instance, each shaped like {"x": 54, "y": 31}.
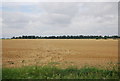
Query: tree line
{"x": 66, "y": 37}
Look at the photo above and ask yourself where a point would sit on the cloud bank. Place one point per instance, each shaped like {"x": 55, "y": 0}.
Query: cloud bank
{"x": 59, "y": 18}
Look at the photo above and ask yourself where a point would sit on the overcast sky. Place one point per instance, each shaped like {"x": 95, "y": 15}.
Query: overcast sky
{"x": 59, "y": 18}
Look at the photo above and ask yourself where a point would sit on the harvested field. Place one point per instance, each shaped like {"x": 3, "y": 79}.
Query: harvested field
{"x": 59, "y": 52}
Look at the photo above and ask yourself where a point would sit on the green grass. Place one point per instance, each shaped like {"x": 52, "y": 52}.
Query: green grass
{"x": 51, "y": 72}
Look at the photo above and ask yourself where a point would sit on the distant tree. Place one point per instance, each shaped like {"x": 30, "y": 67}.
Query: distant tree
{"x": 13, "y": 38}
{"x": 66, "y": 37}
{"x": 105, "y": 37}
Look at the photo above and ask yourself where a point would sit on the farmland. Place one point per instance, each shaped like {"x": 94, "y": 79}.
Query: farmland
{"x": 59, "y": 52}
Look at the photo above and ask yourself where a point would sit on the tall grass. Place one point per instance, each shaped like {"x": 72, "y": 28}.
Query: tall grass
{"x": 51, "y": 72}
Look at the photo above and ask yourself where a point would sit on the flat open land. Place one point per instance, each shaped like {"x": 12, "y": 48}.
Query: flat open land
{"x": 59, "y": 52}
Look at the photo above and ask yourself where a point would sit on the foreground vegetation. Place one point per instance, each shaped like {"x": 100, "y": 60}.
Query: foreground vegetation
{"x": 51, "y": 72}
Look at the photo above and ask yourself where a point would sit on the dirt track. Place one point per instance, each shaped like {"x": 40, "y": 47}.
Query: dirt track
{"x": 59, "y": 52}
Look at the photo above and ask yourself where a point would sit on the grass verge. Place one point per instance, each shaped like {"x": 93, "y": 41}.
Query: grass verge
{"x": 51, "y": 72}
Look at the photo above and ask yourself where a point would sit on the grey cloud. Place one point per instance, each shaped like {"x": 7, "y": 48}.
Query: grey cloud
{"x": 58, "y": 14}
{"x": 60, "y": 8}
{"x": 98, "y": 9}
{"x": 15, "y": 20}
{"x": 55, "y": 19}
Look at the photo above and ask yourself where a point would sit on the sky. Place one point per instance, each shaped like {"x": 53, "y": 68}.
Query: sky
{"x": 59, "y": 18}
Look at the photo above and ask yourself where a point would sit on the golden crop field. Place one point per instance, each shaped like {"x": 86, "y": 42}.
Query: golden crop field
{"x": 59, "y": 52}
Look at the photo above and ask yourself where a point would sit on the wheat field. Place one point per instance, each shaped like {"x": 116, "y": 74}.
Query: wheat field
{"x": 59, "y": 52}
